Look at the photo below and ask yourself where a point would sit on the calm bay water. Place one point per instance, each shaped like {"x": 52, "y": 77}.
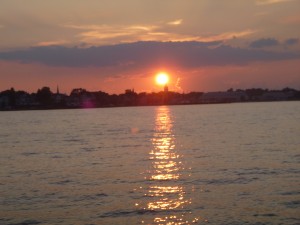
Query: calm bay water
{"x": 198, "y": 164}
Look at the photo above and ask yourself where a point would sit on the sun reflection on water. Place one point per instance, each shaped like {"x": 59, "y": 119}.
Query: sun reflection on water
{"x": 166, "y": 194}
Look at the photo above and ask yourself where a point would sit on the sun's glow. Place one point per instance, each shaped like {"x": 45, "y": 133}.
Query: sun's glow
{"x": 162, "y": 78}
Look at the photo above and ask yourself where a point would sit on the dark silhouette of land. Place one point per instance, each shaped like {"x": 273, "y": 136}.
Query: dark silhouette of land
{"x": 44, "y": 98}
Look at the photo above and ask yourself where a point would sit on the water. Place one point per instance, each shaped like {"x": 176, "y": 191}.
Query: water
{"x": 198, "y": 164}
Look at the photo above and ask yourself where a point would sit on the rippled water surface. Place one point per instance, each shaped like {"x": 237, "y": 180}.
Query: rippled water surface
{"x": 200, "y": 164}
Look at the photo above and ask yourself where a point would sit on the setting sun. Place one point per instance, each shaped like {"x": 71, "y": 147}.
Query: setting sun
{"x": 162, "y": 78}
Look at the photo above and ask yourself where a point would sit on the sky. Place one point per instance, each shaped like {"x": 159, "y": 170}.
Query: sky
{"x": 204, "y": 45}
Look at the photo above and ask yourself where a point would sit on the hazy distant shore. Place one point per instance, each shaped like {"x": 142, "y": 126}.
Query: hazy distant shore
{"x": 45, "y": 99}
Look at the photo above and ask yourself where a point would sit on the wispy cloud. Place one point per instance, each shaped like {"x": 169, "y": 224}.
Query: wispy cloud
{"x": 51, "y": 43}
{"x": 98, "y": 35}
{"x": 175, "y": 22}
{"x": 109, "y": 28}
{"x": 145, "y": 28}
{"x": 268, "y": 2}
{"x": 108, "y": 34}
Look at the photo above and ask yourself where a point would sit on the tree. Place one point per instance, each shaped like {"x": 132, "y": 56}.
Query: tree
{"x": 44, "y": 96}
{"x": 77, "y": 92}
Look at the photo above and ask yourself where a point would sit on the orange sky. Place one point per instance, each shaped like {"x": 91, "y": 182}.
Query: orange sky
{"x": 270, "y": 75}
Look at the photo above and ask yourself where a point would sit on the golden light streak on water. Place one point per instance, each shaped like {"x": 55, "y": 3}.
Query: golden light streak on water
{"x": 165, "y": 193}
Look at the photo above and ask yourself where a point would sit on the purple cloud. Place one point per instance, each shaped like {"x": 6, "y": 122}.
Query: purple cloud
{"x": 291, "y": 41}
{"x": 264, "y": 42}
{"x": 186, "y": 54}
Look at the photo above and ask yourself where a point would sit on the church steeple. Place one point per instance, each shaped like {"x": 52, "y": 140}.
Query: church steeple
{"x": 166, "y": 89}
{"x": 57, "y": 90}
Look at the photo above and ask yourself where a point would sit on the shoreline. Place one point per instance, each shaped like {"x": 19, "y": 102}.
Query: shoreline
{"x": 123, "y": 106}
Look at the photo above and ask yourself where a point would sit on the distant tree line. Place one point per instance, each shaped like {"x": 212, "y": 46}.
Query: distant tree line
{"x": 44, "y": 98}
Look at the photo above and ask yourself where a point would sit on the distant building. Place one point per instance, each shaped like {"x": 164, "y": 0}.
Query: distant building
{"x": 4, "y": 102}
{"x": 59, "y": 98}
{"x": 276, "y": 96}
{"x": 166, "y": 89}
{"x": 129, "y": 91}
{"x": 216, "y": 97}
{"x": 24, "y": 100}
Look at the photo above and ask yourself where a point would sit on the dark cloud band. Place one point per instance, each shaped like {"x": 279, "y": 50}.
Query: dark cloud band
{"x": 187, "y": 54}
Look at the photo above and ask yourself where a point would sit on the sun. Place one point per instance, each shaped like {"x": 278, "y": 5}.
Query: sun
{"x": 162, "y": 78}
